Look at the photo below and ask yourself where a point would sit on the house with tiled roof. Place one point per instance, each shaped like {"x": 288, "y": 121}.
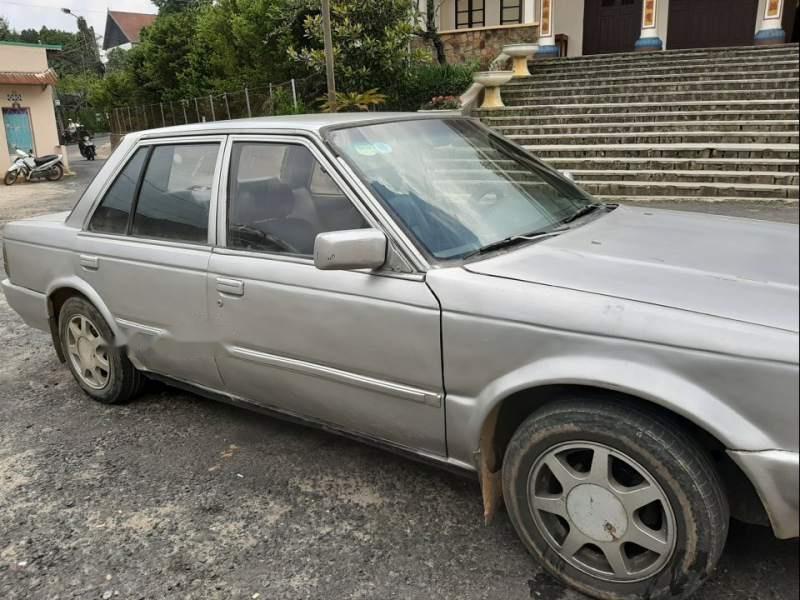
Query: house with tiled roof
{"x": 124, "y": 28}
{"x": 26, "y": 101}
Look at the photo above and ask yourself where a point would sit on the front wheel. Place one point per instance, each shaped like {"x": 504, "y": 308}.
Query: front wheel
{"x": 55, "y": 173}
{"x": 615, "y": 501}
{"x": 11, "y": 177}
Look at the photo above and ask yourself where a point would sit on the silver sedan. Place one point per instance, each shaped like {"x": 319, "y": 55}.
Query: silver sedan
{"x": 623, "y": 380}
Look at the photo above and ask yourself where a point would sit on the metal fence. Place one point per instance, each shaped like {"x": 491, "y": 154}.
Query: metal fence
{"x": 290, "y": 97}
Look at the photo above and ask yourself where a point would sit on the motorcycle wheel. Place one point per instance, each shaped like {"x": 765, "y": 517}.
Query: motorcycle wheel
{"x": 55, "y": 173}
{"x": 10, "y": 178}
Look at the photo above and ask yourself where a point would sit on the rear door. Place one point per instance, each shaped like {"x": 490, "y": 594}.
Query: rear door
{"x": 146, "y": 247}
{"x": 359, "y": 350}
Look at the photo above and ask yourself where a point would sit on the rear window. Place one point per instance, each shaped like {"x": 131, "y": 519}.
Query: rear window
{"x": 112, "y": 214}
{"x": 176, "y": 192}
{"x": 168, "y": 189}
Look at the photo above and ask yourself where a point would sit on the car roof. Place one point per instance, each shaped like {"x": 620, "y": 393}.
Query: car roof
{"x": 313, "y": 123}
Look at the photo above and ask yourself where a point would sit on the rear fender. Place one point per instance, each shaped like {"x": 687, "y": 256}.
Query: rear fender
{"x": 79, "y": 285}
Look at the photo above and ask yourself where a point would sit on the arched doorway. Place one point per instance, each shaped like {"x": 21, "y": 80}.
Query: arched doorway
{"x": 611, "y": 25}
{"x": 711, "y": 23}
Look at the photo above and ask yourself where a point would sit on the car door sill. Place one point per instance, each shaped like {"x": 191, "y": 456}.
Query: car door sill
{"x": 456, "y": 466}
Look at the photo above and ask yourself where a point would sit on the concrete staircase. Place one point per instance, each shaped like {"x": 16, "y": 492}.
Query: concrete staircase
{"x": 711, "y": 124}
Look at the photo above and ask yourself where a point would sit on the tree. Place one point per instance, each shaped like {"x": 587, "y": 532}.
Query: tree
{"x": 371, "y": 43}
{"x": 6, "y": 33}
{"x": 430, "y": 31}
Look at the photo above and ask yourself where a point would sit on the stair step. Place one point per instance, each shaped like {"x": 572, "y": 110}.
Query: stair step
{"x": 634, "y": 199}
{"x": 662, "y": 137}
{"x": 689, "y": 68}
{"x": 688, "y": 189}
{"x": 721, "y": 96}
{"x": 748, "y": 127}
{"x": 679, "y": 151}
{"x": 686, "y": 116}
{"x": 698, "y": 81}
{"x": 738, "y": 165}
{"x": 550, "y": 108}
{"x": 736, "y": 53}
{"x": 687, "y": 176}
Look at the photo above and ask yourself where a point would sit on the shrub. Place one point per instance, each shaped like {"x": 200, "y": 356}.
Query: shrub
{"x": 442, "y": 103}
{"x": 428, "y": 81}
{"x": 353, "y": 101}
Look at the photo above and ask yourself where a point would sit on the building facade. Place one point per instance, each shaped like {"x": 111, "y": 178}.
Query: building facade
{"x": 477, "y": 29}
{"x": 26, "y": 101}
{"x": 123, "y": 29}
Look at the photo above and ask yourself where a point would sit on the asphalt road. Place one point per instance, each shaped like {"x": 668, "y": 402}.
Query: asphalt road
{"x": 174, "y": 496}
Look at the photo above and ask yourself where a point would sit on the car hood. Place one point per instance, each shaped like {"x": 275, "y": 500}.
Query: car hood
{"x": 727, "y": 267}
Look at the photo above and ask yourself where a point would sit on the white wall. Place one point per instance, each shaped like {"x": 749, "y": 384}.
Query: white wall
{"x": 568, "y": 19}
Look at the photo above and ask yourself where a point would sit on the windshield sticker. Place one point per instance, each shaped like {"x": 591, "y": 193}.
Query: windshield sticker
{"x": 383, "y": 148}
{"x": 365, "y": 149}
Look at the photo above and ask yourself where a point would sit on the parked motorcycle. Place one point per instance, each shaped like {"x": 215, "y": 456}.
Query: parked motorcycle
{"x": 31, "y": 167}
{"x": 86, "y": 147}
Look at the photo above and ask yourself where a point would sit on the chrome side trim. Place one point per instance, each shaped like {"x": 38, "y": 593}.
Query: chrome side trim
{"x": 146, "y": 329}
{"x": 316, "y": 370}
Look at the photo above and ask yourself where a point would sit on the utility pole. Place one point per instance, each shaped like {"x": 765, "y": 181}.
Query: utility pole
{"x": 326, "y": 31}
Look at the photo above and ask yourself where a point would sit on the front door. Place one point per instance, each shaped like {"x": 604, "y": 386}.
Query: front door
{"x": 146, "y": 248}
{"x": 17, "y": 123}
{"x": 711, "y": 23}
{"x": 611, "y": 25}
{"x": 353, "y": 349}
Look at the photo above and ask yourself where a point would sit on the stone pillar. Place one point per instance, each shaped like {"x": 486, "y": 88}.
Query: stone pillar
{"x": 770, "y": 30}
{"x": 649, "y": 40}
{"x": 547, "y": 35}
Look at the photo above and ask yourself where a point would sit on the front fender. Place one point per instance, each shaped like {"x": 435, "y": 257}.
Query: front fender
{"x": 466, "y": 416}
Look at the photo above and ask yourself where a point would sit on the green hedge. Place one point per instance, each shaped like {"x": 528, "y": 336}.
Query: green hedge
{"x": 427, "y": 81}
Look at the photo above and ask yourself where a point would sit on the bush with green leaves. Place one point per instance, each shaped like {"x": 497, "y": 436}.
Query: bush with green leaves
{"x": 427, "y": 81}
{"x": 371, "y": 43}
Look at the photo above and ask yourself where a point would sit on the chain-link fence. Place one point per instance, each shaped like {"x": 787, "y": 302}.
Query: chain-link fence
{"x": 290, "y": 97}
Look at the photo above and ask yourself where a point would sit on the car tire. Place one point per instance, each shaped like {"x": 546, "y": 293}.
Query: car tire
{"x": 658, "y": 487}
{"x": 102, "y": 369}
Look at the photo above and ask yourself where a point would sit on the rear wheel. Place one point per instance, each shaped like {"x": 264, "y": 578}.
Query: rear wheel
{"x": 100, "y": 368}
{"x": 10, "y": 178}
{"x": 55, "y": 173}
{"x": 615, "y": 501}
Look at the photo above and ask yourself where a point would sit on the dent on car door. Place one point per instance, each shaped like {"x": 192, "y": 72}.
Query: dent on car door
{"x": 145, "y": 250}
{"x": 354, "y": 349}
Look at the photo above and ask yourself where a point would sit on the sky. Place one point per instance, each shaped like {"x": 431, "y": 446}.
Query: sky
{"x": 32, "y": 14}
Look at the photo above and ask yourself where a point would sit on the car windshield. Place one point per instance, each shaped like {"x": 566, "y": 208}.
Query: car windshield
{"x": 456, "y": 187}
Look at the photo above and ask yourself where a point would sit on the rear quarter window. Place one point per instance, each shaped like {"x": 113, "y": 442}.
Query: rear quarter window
{"x": 111, "y": 216}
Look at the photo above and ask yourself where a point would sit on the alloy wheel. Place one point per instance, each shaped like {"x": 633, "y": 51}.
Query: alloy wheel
{"x": 601, "y": 511}
{"x": 88, "y": 352}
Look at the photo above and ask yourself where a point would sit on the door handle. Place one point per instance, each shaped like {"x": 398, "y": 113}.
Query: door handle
{"x": 232, "y": 287}
{"x": 89, "y": 262}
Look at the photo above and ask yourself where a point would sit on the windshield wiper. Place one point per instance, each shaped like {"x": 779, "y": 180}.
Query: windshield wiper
{"x": 510, "y": 241}
{"x": 584, "y": 210}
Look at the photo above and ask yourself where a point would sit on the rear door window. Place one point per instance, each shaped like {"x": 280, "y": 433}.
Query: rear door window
{"x": 176, "y": 192}
{"x": 115, "y": 208}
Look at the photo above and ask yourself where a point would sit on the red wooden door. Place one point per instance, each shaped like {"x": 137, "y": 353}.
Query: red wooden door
{"x": 611, "y": 25}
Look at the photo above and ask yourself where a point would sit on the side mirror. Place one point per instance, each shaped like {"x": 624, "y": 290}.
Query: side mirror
{"x": 350, "y": 249}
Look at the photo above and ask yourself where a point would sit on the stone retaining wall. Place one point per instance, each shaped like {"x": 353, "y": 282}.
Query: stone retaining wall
{"x": 483, "y": 45}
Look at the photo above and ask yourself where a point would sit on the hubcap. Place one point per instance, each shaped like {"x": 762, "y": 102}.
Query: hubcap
{"x": 88, "y": 352}
{"x": 601, "y": 511}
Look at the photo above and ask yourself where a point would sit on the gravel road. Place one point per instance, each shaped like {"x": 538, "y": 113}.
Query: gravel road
{"x": 174, "y": 496}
